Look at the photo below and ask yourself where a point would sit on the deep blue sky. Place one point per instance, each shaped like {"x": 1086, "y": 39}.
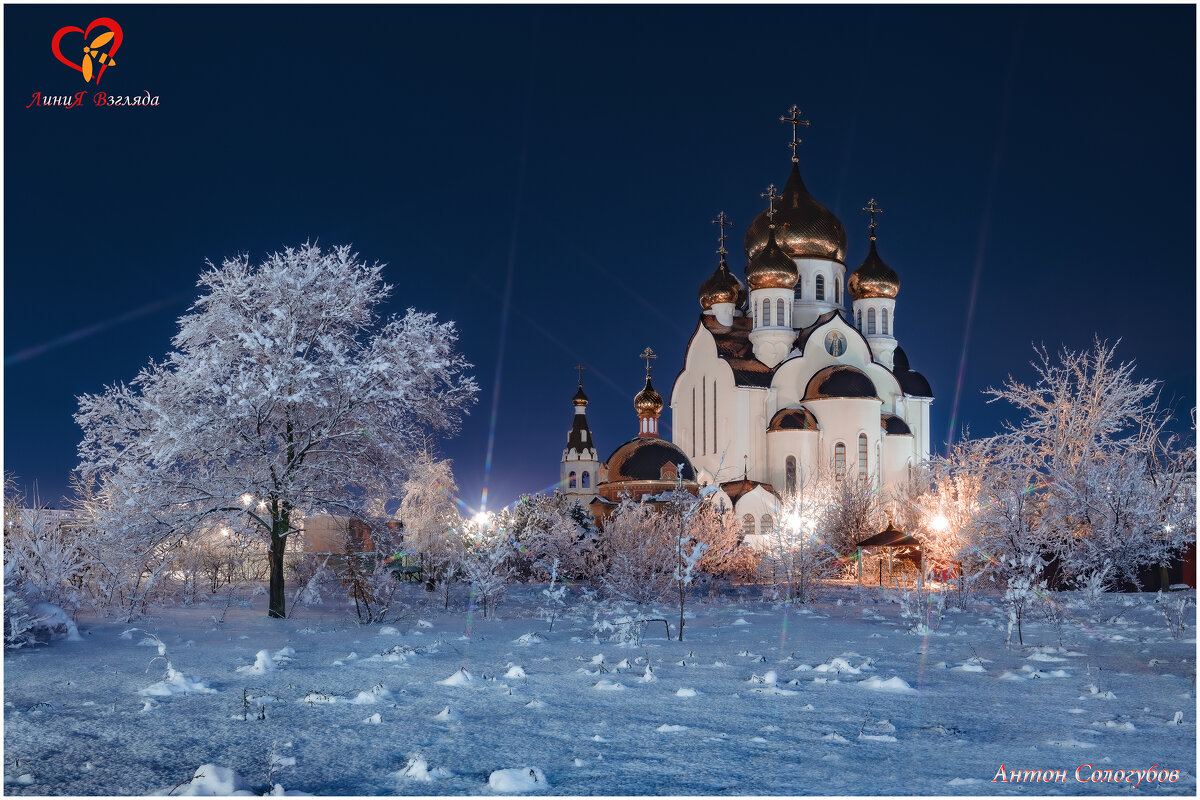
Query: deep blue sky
{"x": 1052, "y": 146}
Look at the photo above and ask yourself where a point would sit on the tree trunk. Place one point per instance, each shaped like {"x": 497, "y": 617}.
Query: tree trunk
{"x": 276, "y": 607}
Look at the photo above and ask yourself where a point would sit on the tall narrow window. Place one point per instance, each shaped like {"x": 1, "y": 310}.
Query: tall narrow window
{"x": 586, "y": 481}
{"x": 766, "y": 524}
{"x": 790, "y": 475}
{"x": 870, "y": 321}
{"x": 884, "y": 319}
{"x": 820, "y": 287}
{"x": 693, "y": 420}
{"x": 837, "y": 291}
{"x": 779, "y": 312}
{"x": 747, "y": 526}
{"x": 839, "y": 460}
{"x": 703, "y": 418}
{"x": 715, "y": 439}
{"x": 766, "y": 312}
{"x": 858, "y": 319}
{"x": 800, "y": 288}
{"x": 862, "y": 456}
{"x": 571, "y": 480}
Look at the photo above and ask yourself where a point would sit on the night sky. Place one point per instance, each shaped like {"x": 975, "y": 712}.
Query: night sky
{"x": 569, "y": 160}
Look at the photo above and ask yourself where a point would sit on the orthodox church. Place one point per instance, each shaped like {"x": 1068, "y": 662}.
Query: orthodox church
{"x": 779, "y": 382}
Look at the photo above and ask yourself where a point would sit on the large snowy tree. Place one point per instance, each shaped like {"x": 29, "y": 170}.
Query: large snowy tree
{"x": 285, "y": 395}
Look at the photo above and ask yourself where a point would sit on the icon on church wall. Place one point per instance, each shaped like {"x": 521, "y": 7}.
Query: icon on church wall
{"x": 835, "y": 343}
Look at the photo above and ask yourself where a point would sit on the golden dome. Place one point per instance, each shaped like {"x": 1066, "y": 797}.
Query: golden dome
{"x": 647, "y": 402}
{"x": 803, "y": 227}
{"x": 580, "y": 399}
{"x": 771, "y": 268}
{"x": 722, "y": 287}
{"x": 873, "y": 278}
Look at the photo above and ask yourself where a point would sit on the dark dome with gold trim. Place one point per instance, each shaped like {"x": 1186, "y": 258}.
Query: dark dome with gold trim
{"x": 722, "y": 287}
{"x": 840, "y": 380}
{"x": 803, "y": 227}
{"x": 647, "y": 402}
{"x": 580, "y": 399}
{"x": 793, "y": 419}
{"x": 894, "y": 425}
{"x": 771, "y": 268}
{"x": 873, "y": 278}
{"x": 643, "y": 459}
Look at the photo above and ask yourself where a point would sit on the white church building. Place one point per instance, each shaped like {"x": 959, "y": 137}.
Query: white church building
{"x": 779, "y": 381}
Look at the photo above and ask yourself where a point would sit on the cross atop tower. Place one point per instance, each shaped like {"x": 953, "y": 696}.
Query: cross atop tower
{"x": 580, "y": 368}
{"x": 872, "y": 208}
{"x": 646, "y": 355}
{"x": 795, "y": 121}
{"x": 771, "y": 196}
{"x": 723, "y": 221}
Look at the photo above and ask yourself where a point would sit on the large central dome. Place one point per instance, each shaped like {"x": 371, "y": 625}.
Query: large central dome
{"x": 803, "y": 227}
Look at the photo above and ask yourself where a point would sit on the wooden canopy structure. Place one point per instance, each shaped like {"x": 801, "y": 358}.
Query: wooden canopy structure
{"x": 898, "y": 545}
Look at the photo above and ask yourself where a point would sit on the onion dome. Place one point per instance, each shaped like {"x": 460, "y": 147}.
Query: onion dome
{"x": 793, "y": 419}
{"x": 647, "y": 402}
{"x": 722, "y": 287}
{"x": 645, "y": 459}
{"x": 893, "y": 425}
{"x": 580, "y": 399}
{"x": 840, "y": 380}
{"x": 804, "y": 227}
{"x": 911, "y": 382}
{"x": 771, "y": 268}
{"x": 873, "y": 278}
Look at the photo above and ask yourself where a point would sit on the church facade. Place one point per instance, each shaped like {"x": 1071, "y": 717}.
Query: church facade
{"x": 781, "y": 382}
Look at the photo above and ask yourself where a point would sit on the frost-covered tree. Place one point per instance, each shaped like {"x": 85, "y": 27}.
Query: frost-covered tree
{"x": 42, "y": 555}
{"x": 285, "y": 394}
{"x": 638, "y": 553}
{"x": 431, "y": 519}
{"x": 546, "y": 528}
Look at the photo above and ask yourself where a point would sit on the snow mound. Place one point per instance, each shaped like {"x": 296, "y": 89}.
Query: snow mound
{"x": 530, "y": 638}
{"x": 374, "y": 719}
{"x": 685, "y": 692}
{"x": 894, "y": 684}
{"x": 521, "y": 779}
{"x": 176, "y": 683}
{"x": 769, "y": 678}
{"x": 212, "y": 780}
{"x": 838, "y": 665}
{"x": 648, "y": 675}
{"x": 876, "y": 737}
{"x": 423, "y": 624}
{"x": 515, "y": 672}
{"x": 446, "y": 715}
{"x": 388, "y": 630}
{"x": 261, "y": 666}
{"x": 833, "y": 737}
{"x": 375, "y": 694}
{"x": 1044, "y": 657}
{"x": 968, "y": 667}
{"x": 739, "y": 621}
{"x": 671, "y": 728}
{"x": 283, "y": 654}
{"x": 535, "y": 703}
{"x": 608, "y": 686}
{"x": 1114, "y": 725}
{"x": 460, "y": 678}
{"x": 417, "y": 769}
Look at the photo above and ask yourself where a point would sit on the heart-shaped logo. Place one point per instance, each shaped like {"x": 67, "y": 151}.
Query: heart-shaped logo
{"x": 95, "y": 60}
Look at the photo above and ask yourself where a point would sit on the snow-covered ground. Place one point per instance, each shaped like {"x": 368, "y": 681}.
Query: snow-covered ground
{"x": 835, "y": 698}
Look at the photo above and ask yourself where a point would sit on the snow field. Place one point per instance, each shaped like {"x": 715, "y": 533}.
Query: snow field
{"x": 734, "y": 709}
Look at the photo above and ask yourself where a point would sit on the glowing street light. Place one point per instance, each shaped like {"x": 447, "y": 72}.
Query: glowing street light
{"x": 938, "y": 523}
{"x": 247, "y": 499}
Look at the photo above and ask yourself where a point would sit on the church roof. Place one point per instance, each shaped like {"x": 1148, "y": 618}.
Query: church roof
{"x": 894, "y": 425}
{"x": 793, "y": 419}
{"x": 643, "y": 459}
{"x": 580, "y": 436}
{"x": 840, "y": 380}
{"x": 733, "y": 346}
{"x": 912, "y": 382}
{"x": 736, "y": 489}
{"x": 805, "y": 333}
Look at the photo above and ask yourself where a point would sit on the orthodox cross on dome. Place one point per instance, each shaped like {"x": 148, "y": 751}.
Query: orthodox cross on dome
{"x": 771, "y": 196}
{"x": 723, "y": 221}
{"x": 872, "y": 208}
{"x": 795, "y": 121}
{"x": 580, "y": 368}
{"x": 647, "y": 354}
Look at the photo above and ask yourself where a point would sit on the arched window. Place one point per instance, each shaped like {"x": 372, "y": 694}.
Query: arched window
{"x": 839, "y": 460}
{"x": 858, "y": 319}
{"x": 837, "y": 291}
{"x": 779, "y": 312}
{"x": 747, "y": 526}
{"x": 862, "y": 456}
{"x": 789, "y": 472}
{"x": 820, "y": 287}
{"x": 870, "y": 321}
{"x": 586, "y": 480}
{"x": 571, "y": 480}
{"x": 883, "y": 317}
{"x": 766, "y": 525}
{"x": 800, "y": 288}
{"x": 766, "y": 312}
